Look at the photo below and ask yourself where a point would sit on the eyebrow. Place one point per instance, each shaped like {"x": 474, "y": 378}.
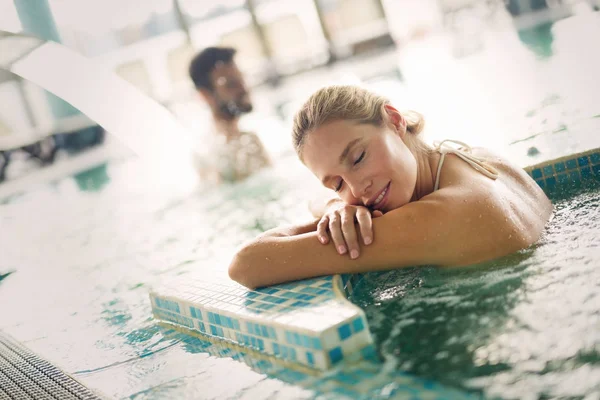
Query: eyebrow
{"x": 343, "y": 156}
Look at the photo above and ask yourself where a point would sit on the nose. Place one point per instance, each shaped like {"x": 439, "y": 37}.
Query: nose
{"x": 360, "y": 189}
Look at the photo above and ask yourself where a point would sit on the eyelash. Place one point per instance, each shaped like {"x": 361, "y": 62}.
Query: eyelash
{"x": 358, "y": 160}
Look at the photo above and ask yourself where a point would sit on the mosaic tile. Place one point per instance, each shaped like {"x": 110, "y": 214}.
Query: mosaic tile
{"x": 308, "y": 322}
{"x": 566, "y": 170}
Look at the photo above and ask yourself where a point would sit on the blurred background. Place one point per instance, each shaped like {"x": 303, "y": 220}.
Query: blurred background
{"x": 422, "y": 53}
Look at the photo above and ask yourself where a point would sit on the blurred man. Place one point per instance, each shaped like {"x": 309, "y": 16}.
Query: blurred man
{"x": 233, "y": 155}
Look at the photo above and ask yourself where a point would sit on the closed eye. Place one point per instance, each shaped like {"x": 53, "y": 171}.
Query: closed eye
{"x": 359, "y": 159}
{"x": 339, "y": 186}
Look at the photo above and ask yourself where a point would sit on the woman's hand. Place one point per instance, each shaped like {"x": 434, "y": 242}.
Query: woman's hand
{"x": 340, "y": 220}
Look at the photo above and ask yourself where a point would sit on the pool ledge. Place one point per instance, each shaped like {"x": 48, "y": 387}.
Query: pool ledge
{"x": 308, "y": 322}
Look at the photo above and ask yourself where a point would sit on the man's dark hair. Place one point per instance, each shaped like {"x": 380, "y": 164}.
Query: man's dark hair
{"x": 205, "y": 61}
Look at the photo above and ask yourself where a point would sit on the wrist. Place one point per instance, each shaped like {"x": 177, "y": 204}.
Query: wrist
{"x": 333, "y": 203}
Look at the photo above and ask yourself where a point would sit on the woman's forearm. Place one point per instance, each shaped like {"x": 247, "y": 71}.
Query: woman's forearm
{"x": 290, "y": 230}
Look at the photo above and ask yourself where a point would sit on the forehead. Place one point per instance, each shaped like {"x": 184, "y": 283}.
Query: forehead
{"x": 225, "y": 70}
{"x": 324, "y": 145}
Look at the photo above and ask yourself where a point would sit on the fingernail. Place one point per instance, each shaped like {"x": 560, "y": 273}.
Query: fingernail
{"x": 341, "y": 249}
{"x": 368, "y": 240}
{"x": 354, "y": 254}
{"x": 322, "y": 239}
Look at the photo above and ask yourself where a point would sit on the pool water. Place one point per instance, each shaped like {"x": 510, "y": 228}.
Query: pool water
{"x": 85, "y": 250}
{"x": 525, "y": 326}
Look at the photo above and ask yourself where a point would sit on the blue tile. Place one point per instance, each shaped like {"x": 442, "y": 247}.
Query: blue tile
{"x": 264, "y": 332}
{"x": 300, "y": 304}
{"x": 369, "y": 353}
{"x": 261, "y": 344}
{"x": 316, "y": 344}
{"x": 305, "y": 341}
{"x": 201, "y": 327}
{"x": 344, "y": 331}
{"x": 213, "y": 330}
{"x": 292, "y": 353}
{"x": 548, "y": 170}
{"x": 325, "y": 285}
{"x": 268, "y": 290}
{"x": 211, "y": 317}
{"x": 596, "y": 170}
{"x": 272, "y": 333}
{"x": 346, "y": 378}
{"x": 586, "y": 173}
{"x": 335, "y": 355}
{"x": 193, "y": 312}
{"x": 571, "y": 164}
{"x": 562, "y": 178}
{"x": 559, "y": 166}
{"x": 305, "y": 297}
{"x": 358, "y": 325}
{"x": 236, "y": 324}
{"x": 288, "y": 337}
{"x": 310, "y": 358}
{"x": 541, "y": 184}
{"x": 296, "y": 338}
{"x": 595, "y": 158}
{"x": 252, "y": 295}
{"x": 583, "y": 161}
{"x": 575, "y": 176}
{"x": 536, "y": 173}
{"x": 551, "y": 181}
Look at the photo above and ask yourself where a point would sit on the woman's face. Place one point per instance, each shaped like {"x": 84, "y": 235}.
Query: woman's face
{"x": 365, "y": 164}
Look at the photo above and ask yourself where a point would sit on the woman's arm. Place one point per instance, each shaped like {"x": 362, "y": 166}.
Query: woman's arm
{"x": 447, "y": 227}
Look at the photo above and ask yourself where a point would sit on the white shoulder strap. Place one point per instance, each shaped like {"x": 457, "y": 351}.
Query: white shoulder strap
{"x": 465, "y": 154}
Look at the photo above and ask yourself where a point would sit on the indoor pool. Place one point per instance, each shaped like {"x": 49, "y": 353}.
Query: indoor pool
{"x": 85, "y": 250}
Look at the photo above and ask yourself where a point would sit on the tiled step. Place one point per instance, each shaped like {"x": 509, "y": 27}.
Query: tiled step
{"x": 308, "y": 322}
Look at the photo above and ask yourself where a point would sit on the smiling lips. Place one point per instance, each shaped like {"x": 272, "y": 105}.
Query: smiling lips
{"x": 380, "y": 199}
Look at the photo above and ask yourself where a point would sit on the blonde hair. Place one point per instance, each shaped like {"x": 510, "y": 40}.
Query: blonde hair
{"x": 348, "y": 103}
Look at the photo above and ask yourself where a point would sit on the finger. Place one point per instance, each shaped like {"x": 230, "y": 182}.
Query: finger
{"x": 377, "y": 213}
{"x": 322, "y": 230}
{"x": 335, "y": 230}
{"x": 349, "y": 231}
{"x": 366, "y": 227}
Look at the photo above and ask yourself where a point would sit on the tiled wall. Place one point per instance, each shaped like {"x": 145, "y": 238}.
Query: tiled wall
{"x": 566, "y": 170}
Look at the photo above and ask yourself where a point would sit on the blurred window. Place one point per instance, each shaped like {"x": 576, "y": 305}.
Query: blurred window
{"x": 94, "y": 27}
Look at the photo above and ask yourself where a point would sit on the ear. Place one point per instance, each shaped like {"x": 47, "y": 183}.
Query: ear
{"x": 396, "y": 119}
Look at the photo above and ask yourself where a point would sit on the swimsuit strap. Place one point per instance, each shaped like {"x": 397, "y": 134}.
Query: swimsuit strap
{"x": 464, "y": 153}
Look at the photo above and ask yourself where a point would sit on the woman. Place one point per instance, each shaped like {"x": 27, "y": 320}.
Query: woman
{"x": 408, "y": 203}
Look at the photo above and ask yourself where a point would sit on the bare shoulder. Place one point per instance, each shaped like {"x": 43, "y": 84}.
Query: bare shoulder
{"x": 514, "y": 196}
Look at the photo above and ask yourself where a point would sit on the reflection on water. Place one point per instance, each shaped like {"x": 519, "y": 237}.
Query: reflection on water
{"x": 524, "y": 326}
